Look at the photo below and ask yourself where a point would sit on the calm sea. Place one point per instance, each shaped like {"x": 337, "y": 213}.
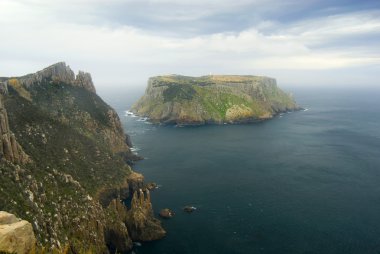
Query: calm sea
{"x": 303, "y": 182}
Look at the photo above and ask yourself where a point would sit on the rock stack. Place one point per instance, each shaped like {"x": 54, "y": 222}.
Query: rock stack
{"x": 141, "y": 223}
{"x": 10, "y": 149}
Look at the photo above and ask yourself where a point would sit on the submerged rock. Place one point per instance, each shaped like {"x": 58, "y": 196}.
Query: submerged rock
{"x": 16, "y": 235}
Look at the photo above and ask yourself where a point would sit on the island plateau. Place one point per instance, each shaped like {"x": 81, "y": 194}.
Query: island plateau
{"x": 183, "y": 100}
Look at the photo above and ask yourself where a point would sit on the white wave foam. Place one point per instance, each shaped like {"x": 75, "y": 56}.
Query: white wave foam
{"x": 135, "y": 149}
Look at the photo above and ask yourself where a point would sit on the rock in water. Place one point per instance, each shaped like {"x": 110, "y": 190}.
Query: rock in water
{"x": 216, "y": 99}
{"x": 166, "y": 213}
{"x": 16, "y": 235}
{"x": 189, "y": 209}
{"x": 151, "y": 186}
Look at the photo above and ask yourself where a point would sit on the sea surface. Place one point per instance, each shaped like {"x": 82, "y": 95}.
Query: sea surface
{"x": 303, "y": 182}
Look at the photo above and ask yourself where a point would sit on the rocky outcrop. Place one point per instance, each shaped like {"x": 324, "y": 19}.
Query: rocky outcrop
{"x": 219, "y": 99}
{"x": 116, "y": 234}
{"x": 83, "y": 79}
{"x": 141, "y": 223}
{"x": 10, "y": 149}
{"x": 60, "y": 72}
{"x": 3, "y": 88}
{"x": 16, "y": 235}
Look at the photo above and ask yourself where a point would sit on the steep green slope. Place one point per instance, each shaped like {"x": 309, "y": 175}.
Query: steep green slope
{"x": 212, "y": 99}
{"x": 76, "y": 164}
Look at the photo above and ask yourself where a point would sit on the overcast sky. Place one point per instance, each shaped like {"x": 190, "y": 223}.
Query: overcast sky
{"x": 123, "y": 42}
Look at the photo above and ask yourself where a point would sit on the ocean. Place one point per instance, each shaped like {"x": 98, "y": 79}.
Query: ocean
{"x": 303, "y": 182}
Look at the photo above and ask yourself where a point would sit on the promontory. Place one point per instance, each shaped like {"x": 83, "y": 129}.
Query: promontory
{"x": 176, "y": 99}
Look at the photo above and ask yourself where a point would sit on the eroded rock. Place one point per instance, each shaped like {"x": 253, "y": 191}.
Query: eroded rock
{"x": 16, "y": 235}
{"x": 141, "y": 223}
{"x": 166, "y": 213}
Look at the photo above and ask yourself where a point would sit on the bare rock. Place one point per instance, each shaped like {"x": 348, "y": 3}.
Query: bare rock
{"x": 151, "y": 186}
{"x": 3, "y": 88}
{"x": 135, "y": 181}
{"x": 59, "y": 72}
{"x": 189, "y": 209}
{"x": 10, "y": 149}
{"x": 16, "y": 236}
{"x": 166, "y": 213}
{"x": 83, "y": 79}
{"x": 141, "y": 223}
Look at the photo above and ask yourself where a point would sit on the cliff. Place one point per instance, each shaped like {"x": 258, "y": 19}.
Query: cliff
{"x": 66, "y": 160}
{"x": 10, "y": 149}
{"x": 212, "y": 99}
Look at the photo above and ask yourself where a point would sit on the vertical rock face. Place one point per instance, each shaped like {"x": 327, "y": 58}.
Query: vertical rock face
{"x": 83, "y": 79}
{"x": 60, "y": 72}
{"x": 140, "y": 221}
{"x": 116, "y": 235}
{"x": 3, "y": 88}
{"x": 16, "y": 235}
{"x": 10, "y": 149}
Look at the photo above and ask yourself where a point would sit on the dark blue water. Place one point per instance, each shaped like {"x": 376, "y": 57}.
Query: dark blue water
{"x": 306, "y": 182}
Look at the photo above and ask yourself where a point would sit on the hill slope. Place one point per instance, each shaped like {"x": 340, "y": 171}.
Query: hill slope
{"x": 212, "y": 99}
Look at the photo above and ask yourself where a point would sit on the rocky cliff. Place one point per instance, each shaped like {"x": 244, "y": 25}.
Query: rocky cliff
{"x": 10, "y": 149}
{"x": 212, "y": 99}
{"x": 64, "y": 162}
{"x": 59, "y": 72}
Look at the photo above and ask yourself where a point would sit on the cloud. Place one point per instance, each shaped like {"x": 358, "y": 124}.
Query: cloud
{"x": 34, "y": 37}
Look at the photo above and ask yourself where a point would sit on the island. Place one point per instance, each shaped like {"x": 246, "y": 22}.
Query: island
{"x": 216, "y": 99}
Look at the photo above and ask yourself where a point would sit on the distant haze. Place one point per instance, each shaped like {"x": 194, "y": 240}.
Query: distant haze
{"x": 122, "y": 43}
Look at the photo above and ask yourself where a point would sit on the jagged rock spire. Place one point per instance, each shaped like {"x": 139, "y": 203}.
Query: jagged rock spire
{"x": 60, "y": 72}
{"x": 10, "y": 149}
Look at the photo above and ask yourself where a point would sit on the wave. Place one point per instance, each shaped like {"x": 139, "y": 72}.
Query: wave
{"x": 142, "y": 119}
{"x": 129, "y": 113}
{"x": 135, "y": 149}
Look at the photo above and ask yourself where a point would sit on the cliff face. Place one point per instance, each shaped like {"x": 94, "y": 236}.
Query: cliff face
{"x": 140, "y": 219}
{"x": 212, "y": 99}
{"x": 10, "y": 149}
{"x": 72, "y": 162}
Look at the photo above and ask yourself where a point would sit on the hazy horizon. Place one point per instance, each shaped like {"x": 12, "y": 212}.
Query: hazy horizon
{"x": 123, "y": 43}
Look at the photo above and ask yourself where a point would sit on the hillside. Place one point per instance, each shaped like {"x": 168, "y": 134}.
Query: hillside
{"x": 212, "y": 99}
{"x": 64, "y": 165}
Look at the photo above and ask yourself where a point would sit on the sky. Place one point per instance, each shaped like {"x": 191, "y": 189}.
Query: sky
{"x": 124, "y": 42}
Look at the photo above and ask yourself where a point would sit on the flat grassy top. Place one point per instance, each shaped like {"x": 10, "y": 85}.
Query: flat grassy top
{"x": 205, "y": 80}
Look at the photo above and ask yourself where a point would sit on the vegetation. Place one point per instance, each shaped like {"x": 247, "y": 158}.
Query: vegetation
{"x": 70, "y": 135}
{"x": 215, "y": 99}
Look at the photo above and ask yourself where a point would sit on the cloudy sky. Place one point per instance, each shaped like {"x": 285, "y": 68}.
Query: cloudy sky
{"x": 123, "y": 42}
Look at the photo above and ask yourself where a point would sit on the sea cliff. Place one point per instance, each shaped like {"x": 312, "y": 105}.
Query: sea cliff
{"x": 218, "y": 99}
{"x": 64, "y": 165}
